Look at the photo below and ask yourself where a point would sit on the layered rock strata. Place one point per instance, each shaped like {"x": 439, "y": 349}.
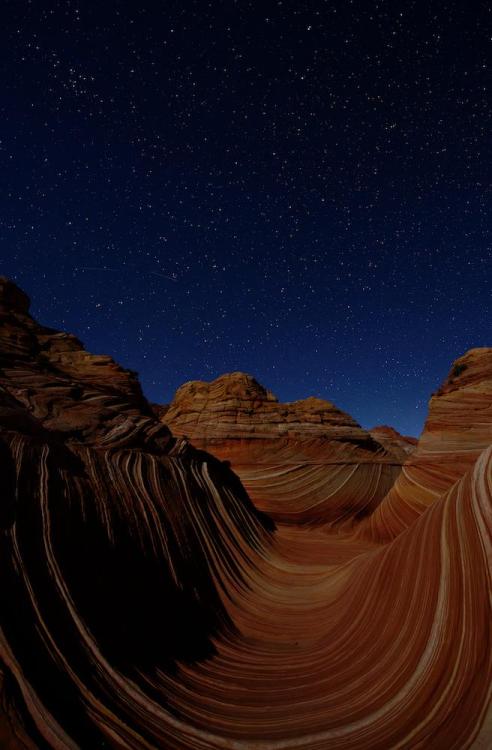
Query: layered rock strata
{"x": 146, "y": 603}
{"x": 106, "y": 569}
{"x": 302, "y": 462}
{"x": 457, "y": 430}
{"x": 392, "y": 439}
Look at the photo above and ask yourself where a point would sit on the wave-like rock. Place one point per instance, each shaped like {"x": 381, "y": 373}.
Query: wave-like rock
{"x": 457, "y": 430}
{"x": 107, "y": 572}
{"x": 147, "y": 605}
{"x": 301, "y": 462}
{"x": 392, "y": 439}
{"x": 359, "y": 648}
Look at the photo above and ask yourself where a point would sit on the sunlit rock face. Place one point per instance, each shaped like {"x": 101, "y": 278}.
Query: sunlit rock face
{"x": 236, "y": 406}
{"x": 457, "y": 430}
{"x": 147, "y": 604}
{"x": 302, "y": 462}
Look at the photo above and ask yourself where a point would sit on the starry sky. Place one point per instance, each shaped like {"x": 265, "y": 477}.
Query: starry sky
{"x": 298, "y": 190}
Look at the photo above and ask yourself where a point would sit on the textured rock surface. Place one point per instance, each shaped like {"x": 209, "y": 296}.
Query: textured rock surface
{"x": 457, "y": 430}
{"x": 77, "y": 396}
{"x": 146, "y": 604}
{"x": 393, "y": 440}
{"x": 235, "y": 405}
{"x": 106, "y": 571}
{"x": 304, "y": 461}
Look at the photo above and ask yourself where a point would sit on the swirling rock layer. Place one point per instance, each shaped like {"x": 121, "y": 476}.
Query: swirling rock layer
{"x": 106, "y": 568}
{"x": 391, "y": 438}
{"x": 457, "y": 430}
{"x": 301, "y": 462}
{"x": 146, "y": 603}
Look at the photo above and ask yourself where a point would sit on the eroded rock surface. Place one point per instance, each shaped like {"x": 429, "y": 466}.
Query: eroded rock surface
{"x": 302, "y": 462}
{"x": 458, "y": 428}
{"x": 393, "y": 440}
{"x": 145, "y": 603}
{"x": 106, "y": 574}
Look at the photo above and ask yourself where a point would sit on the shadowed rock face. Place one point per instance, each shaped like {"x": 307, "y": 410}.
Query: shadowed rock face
{"x": 146, "y": 603}
{"x": 105, "y": 571}
{"x": 302, "y": 462}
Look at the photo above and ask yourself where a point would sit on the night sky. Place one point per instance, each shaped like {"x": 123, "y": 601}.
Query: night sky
{"x": 299, "y": 190}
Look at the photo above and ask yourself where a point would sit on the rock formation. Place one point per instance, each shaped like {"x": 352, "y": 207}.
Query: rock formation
{"x": 457, "y": 430}
{"x": 146, "y": 603}
{"x": 301, "y": 462}
{"x": 391, "y": 438}
{"x": 106, "y": 572}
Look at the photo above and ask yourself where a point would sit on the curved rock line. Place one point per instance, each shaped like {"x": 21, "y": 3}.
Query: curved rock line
{"x": 147, "y": 603}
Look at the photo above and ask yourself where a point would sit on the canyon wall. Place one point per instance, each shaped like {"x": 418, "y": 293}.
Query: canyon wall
{"x": 148, "y": 602}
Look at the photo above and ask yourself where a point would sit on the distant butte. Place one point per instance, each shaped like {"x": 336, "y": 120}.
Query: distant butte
{"x": 266, "y": 441}
{"x": 391, "y": 438}
{"x": 149, "y": 604}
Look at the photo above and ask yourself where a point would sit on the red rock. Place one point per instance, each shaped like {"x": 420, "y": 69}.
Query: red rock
{"x": 147, "y": 604}
{"x": 105, "y": 522}
{"x": 301, "y": 462}
{"x": 82, "y": 397}
{"x": 457, "y": 430}
{"x": 391, "y": 438}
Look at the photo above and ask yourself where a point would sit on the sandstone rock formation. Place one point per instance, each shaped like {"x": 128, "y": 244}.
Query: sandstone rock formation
{"x": 391, "y": 438}
{"x": 457, "y": 430}
{"x": 105, "y": 566}
{"x": 146, "y": 603}
{"x": 301, "y": 462}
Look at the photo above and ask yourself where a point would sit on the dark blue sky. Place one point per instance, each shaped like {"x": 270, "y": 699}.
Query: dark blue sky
{"x": 300, "y": 190}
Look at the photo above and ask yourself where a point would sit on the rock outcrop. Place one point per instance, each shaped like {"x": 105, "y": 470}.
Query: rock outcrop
{"x": 393, "y": 440}
{"x": 106, "y": 571}
{"x": 236, "y": 406}
{"x": 301, "y": 462}
{"x": 147, "y": 604}
{"x": 457, "y": 430}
